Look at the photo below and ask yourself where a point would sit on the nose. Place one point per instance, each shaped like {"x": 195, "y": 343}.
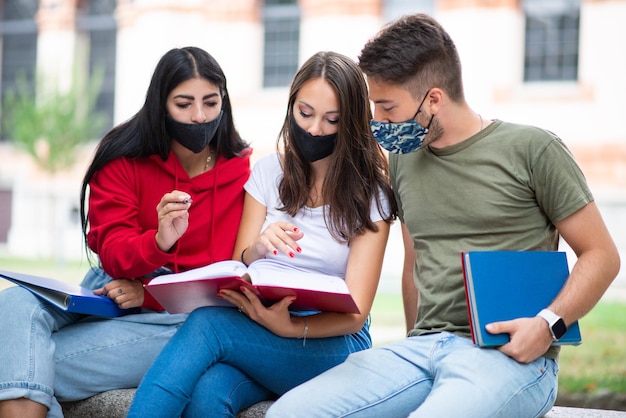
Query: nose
{"x": 315, "y": 128}
{"x": 198, "y": 115}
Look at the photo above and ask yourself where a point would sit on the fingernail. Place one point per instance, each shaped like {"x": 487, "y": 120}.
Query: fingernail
{"x": 291, "y": 255}
{"x": 275, "y": 252}
{"x": 299, "y": 249}
{"x": 243, "y": 289}
{"x": 295, "y": 229}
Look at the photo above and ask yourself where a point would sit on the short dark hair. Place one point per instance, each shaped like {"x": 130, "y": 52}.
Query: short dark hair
{"x": 417, "y": 52}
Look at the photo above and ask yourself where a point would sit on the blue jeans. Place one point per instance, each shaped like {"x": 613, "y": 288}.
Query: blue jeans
{"x": 220, "y": 361}
{"x": 48, "y": 355}
{"x": 436, "y": 375}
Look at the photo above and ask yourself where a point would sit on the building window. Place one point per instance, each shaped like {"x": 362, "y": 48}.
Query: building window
{"x": 281, "y": 19}
{"x": 551, "y": 45}
{"x": 97, "y": 29}
{"x": 19, "y": 47}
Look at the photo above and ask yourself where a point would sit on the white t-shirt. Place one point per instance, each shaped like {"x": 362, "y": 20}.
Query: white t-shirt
{"x": 320, "y": 251}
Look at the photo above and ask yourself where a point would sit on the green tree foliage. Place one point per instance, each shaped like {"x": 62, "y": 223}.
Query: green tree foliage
{"x": 51, "y": 124}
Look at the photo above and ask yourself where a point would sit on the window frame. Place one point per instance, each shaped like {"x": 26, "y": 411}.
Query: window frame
{"x": 281, "y": 42}
{"x": 551, "y": 40}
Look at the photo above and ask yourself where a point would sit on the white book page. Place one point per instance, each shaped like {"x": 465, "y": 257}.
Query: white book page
{"x": 220, "y": 269}
{"x": 266, "y": 272}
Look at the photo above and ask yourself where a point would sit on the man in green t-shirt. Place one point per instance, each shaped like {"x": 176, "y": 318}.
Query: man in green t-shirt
{"x": 462, "y": 182}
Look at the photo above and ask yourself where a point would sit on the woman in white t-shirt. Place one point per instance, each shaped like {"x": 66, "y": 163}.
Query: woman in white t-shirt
{"x": 322, "y": 203}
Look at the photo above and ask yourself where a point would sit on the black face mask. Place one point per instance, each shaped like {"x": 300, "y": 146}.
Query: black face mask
{"x": 313, "y": 148}
{"x": 193, "y": 136}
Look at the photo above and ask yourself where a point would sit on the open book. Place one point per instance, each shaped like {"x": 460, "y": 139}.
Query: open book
{"x": 505, "y": 285}
{"x": 67, "y": 296}
{"x": 271, "y": 280}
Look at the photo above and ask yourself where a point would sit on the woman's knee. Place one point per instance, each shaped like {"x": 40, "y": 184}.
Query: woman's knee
{"x": 201, "y": 317}
{"x": 18, "y": 303}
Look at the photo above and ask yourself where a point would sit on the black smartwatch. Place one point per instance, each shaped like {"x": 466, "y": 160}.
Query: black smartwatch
{"x": 555, "y": 323}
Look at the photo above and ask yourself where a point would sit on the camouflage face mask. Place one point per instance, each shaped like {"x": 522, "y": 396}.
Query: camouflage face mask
{"x": 401, "y": 137}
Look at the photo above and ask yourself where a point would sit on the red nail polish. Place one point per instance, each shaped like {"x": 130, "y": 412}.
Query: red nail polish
{"x": 295, "y": 229}
{"x": 291, "y": 255}
{"x": 299, "y": 249}
{"x": 275, "y": 252}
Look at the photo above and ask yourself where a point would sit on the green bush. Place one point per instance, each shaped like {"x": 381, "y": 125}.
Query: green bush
{"x": 50, "y": 123}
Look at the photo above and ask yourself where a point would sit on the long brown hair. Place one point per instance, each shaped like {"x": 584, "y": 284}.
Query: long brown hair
{"x": 358, "y": 171}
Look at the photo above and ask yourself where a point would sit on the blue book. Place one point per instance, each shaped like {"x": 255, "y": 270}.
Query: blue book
{"x": 505, "y": 285}
{"x": 68, "y": 297}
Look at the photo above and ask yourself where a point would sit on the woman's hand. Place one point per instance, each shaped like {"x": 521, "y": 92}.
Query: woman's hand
{"x": 124, "y": 292}
{"x": 275, "y": 318}
{"x": 173, "y": 215}
{"x": 278, "y": 236}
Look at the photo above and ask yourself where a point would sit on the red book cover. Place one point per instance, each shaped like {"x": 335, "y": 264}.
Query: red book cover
{"x": 271, "y": 280}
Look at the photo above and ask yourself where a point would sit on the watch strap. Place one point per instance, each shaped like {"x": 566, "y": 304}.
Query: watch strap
{"x": 555, "y": 323}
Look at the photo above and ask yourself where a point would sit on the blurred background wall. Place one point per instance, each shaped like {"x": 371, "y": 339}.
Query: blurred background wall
{"x": 557, "y": 64}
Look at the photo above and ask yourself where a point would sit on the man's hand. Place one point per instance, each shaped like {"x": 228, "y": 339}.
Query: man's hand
{"x": 530, "y": 338}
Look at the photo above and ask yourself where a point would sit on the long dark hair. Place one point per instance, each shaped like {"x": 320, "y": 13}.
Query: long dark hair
{"x": 358, "y": 169}
{"x": 144, "y": 134}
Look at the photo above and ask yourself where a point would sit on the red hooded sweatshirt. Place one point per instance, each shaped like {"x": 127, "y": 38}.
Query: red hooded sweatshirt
{"x": 123, "y": 220}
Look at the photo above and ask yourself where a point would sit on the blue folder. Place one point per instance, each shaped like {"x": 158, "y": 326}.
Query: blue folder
{"x": 68, "y": 297}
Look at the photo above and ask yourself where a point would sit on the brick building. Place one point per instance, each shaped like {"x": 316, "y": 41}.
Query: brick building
{"x": 558, "y": 64}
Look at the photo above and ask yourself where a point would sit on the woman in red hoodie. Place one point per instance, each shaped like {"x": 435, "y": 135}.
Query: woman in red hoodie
{"x": 165, "y": 193}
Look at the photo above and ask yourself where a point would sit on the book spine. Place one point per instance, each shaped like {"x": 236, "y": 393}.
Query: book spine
{"x": 470, "y": 317}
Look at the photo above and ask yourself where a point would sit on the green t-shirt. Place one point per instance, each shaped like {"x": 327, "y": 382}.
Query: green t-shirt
{"x": 502, "y": 189}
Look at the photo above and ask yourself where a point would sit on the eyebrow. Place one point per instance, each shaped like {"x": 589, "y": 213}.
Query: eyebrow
{"x": 331, "y": 112}
{"x": 383, "y": 101}
{"x": 185, "y": 96}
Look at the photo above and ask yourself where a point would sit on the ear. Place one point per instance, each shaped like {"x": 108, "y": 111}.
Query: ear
{"x": 434, "y": 101}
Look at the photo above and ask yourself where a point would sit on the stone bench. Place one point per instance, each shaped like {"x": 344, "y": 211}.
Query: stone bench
{"x": 115, "y": 404}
